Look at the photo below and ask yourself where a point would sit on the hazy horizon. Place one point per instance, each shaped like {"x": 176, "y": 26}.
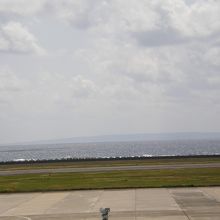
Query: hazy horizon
{"x": 79, "y": 68}
{"x": 124, "y": 138}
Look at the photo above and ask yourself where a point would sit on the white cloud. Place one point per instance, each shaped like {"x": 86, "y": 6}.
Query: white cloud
{"x": 52, "y": 88}
{"x": 9, "y": 82}
{"x": 107, "y": 16}
{"x": 81, "y": 87}
{"x": 212, "y": 56}
{"x": 75, "y": 12}
{"x": 197, "y": 20}
{"x": 123, "y": 61}
{"x": 160, "y": 74}
{"x": 21, "y": 7}
{"x": 14, "y": 37}
{"x": 4, "y": 44}
{"x": 201, "y": 18}
{"x": 11, "y": 86}
{"x": 182, "y": 33}
{"x": 46, "y": 93}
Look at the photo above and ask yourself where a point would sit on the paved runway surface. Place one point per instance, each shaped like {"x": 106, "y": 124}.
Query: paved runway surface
{"x": 113, "y": 168}
{"x": 134, "y": 204}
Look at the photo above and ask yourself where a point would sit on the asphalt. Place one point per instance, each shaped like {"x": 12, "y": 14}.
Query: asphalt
{"x": 134, "y": 204}
{"x": 106, "y": 169}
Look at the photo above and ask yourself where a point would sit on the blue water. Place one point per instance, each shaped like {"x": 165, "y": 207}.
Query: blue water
{"x": 110, "y": 149}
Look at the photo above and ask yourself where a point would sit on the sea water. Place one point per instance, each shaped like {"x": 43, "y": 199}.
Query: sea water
{"x": 110, "y": 149}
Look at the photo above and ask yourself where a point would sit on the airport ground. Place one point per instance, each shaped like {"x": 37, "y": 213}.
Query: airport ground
{"x": 158, "y": 189}
{"x": 54, "y": 164}
{"x": 131, "y": 204}
{"x": 117, "y": 174}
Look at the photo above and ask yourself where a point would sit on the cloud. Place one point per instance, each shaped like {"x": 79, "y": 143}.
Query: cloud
{"x": 158, "y": 38}
{"x": 45, "y": 93}
{"x": 124, "y": 62}
{"x": 11, "y": 86}
{"x": 212, "y": 56}
{"x": 21, "y": 7}
{"x": 105, "y": 16}
{"x": 81, "y": 87}
{"x": 14, "y": 37}
{"x": 197, "y": 20}
{"x": 200, "y": 18}
{"x": 76, "y": 13}
{"x": 188, "y": 18}
{"x": 187, "y": 71}
{"x": 156, "y": 50}
{"x": 179, "y": 23}
{"x": 55, "y": 87}
{"x": 9, "y": 82}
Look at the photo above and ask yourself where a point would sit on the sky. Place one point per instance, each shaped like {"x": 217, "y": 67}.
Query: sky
{"x": 81, "y": 68}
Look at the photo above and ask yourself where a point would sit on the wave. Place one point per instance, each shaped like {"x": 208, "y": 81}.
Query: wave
{"x": 116, "y": 150}
{"x": 74, "y": 159}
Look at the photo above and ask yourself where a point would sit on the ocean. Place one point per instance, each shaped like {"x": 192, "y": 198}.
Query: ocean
{"x": 109, "y": 150}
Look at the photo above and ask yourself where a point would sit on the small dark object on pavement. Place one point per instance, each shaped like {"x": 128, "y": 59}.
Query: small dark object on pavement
{"x": 104, "y": 213}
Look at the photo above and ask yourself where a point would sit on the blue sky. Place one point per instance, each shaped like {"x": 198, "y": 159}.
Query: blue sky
{"x": 80, "y": 67}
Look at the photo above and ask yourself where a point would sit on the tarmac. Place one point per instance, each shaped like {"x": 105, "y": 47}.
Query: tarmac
{"x": 132, "y": 204}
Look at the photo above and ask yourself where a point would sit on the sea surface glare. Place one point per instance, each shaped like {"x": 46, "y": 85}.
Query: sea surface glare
{"x": 110, "y": 149}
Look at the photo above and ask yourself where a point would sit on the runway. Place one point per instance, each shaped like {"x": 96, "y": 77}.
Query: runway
{"x": 106, "y": 169}
{"x": 134, "y": 204}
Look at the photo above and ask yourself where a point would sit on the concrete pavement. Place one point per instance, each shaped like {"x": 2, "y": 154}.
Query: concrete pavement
{"x": 133, "y": 204}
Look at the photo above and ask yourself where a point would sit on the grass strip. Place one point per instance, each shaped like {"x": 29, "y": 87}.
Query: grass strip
{"x": 110, "y": 180}
{"x": 108, "y": 163}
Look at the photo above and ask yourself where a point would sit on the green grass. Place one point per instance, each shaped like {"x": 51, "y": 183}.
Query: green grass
{"x": 109, "y": 163}
{"x": 110, "y": 180}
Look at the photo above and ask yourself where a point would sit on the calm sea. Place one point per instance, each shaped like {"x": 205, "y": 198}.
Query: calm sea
{"x": 110, "y": 149}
